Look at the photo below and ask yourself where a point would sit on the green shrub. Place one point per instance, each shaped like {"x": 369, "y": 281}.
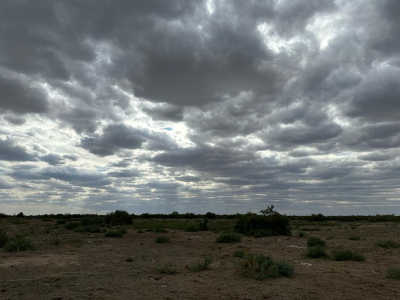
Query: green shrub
{"x": 192, "y": 228}
{"x": 72, "y": 225}
{"x": 259, "y": 233}
{"x": 61, "y": 222}
{"x": 387, "y": 244}
{"x": 239, "y": 253}
{"x": 354, "y": 238}
{"x": 160, "y": 230}
{"x": 119, "y": 217}
{"x": 89, "y": 229}
{"x": 200, "y": 266}
{"x": 140, "y": 231}
{"x": 203, "y": 226}
{"x": 229, "y": 237}
{"x": 129, "y": 259}
{"x": 77, "y": 242}
{"x": 316, "y": 252}
{"x": 316, "y": 242}
{"x": 114, "y": 233}
{"x": 56, "y": 242}
{"x": 162, "y": 239}
{"x": 302, "y": 234}
{"x": 311, "y": 229}
{"x": 347, "y": 255}
{"x": 260, "y": 267}
{"x": 18, "y": 244}
{"x": 166, "y": 269}
{"x": 271, "y": 223}
{"x": 393, "y": 273}
{"x": 4, "y": 237}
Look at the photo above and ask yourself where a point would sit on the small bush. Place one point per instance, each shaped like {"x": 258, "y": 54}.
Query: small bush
{"x": 259, "y": 233}
{"x": 166, "y": 269}
{"x": 56, "y": 242}
{"x": 354, "y": 238}
{"x": 347, "y": 255}
{"x": 192, "y": 228}
{"x": 393, "y": 273}
{"x": 61, "y": 222}
{"x": 239, "y": 253}
{"x": 18, "y": 244}
{"x": 119, "y": 217}
{"x": 302, "y": 234}
{"x": 316, "y": 252}
{"x": 311, "y": 229}
{"x": 229, "y": 238}
{"x": 203, "y": 226}
{"x": 316, "y": 242}
{"x": 140, "y": 231}
{"x": 200, "y": 266}
{"x": 260, "y": 267}
{"x": 89, "y": 229}
{"x": 77, "y": 242}
{"x": 72, "y": 225}
{"x": 114, "y": 233}
{"x": 387, "y": 244}
{"x": 160, "y": 230}
{"x": 129, "y": 259}
{"x": 162, "y": 239}
{"x": 4, "y": 237}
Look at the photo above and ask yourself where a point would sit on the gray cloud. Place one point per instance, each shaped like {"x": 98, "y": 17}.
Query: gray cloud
{"x": 9, "y": 151}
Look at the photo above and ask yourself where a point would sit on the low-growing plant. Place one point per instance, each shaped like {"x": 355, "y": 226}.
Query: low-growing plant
{"x": 56, "y": 241}
{"x": 162, "y": 239}
{"x": 160, "y": 230}
{"x": 61, "y": 222}
{"x": 393, "y": 273}
{"x": 229, "y": 237}
{"x": 316, "y": 252}
{"x": 260, "y": 267}
{"x": 239, "y": 253}
{"x": 311, "y": 229}
{"x": 4, "y": 237}
{"x": 72, "y": 225}
{"x": 192, "y": 228}
{"x": 19, "y": 243}
{"x": 302, "y": 234}
{"x": 203, "y": 226}
{"x": 114, "y": 233}
{"x": 140, "y": 231}
{"x": 347, "y": 255}
{"x": 201, "y": 265}
{"x": 316, "y": 242}
{"x": 129, "y": 259}
{"x": 166, "y": 269}
{"x": 77, "y": 242}
{"x": 354, "y": 238}
{"x": 387, "y": 244}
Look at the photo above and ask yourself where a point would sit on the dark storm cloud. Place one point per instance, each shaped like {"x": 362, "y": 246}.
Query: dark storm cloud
{"x": 9, "y": 151}
{"x": 295, "y": 101}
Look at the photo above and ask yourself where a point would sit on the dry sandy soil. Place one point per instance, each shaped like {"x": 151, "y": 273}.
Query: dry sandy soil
{"x": 98, "y": 269}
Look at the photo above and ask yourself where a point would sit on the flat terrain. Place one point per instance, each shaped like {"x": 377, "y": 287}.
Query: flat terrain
{"x": 92, "y": 266}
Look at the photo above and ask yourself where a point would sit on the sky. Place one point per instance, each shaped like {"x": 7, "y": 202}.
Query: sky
{"x": 195, "y": 106}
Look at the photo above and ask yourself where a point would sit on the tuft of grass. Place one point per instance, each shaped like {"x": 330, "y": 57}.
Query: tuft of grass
{"x": 162, "y": 239}
{"x": 229, "y": 237}
{"x": 239, "y": 253}
{"x": 129, "y": 259}
{"x": 166, "y": 269}
{"x": 316, "y": 242}
{"x": 354, "y": 238}
{"x": 347, "y": 255}
{"x": 201, "y": 265}
{"x": 393, "y": 273}
{"x": 387, "y": 244}
{"x": 302, "y": 234}
{"x": 56, "y": 241}
{"x": 316, "y": 252}
{"x": 77, "y": 242}
{"x": 4, "y": 237}
{"x": 311, "y": 229}
{"x": 18, "y": 244}
{"x": 260, "y": 267}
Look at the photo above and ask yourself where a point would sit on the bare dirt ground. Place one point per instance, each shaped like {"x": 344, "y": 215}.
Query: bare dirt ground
{"x": 92, "y": 266}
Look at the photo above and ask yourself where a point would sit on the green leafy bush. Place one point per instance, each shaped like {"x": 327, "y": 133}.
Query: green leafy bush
{"x": 229, "y": 237}
{"x": 260, "y": 267}
{"x": 200, "y": 266}
{"x": 162, "y": 239}
{"x": 166, "y": 269}
{"x": 119, "y": 217}
{"x": 354, "y": 238}
{"x": 270, "y": 223}
{"x": 316, "y": 242}
{"x": 393, "y": 273}
{"x": 316, "y": 252}
{"x": 347, "y": 255}
{"x": 387, "y": 244}
{"x": 19, "y": 243}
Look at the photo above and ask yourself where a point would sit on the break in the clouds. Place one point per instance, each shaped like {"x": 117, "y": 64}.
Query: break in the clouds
{"x": 196, "y": 106}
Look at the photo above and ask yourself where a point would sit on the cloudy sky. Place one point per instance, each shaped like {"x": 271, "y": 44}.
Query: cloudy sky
{"x": 196, "y": 106}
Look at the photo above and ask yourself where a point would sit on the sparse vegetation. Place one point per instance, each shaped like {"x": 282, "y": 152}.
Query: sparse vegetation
{"x": 19, "y": 243}
{"x": 114, "y": 233}
{"x": 387, "y": 244}
{"x": 316, "y": 252}
{"x": 316, "y": 242}
{"x": 166, "y": 269}
{"x": 201, "y": 265}
{"x": 311, "y": 229}
{"x": 354, "y": 238}
{"x": 302, "y": 234}
{"x": 4, "y": 237}
{"x": 239, "y": 253}
{"x": 162, "y": 239}
{"x": 393, "y": 273}
{"x": 129, "y": 259}
{"x": 229, "y": 237}
{"x": 347, "y": 255}
{"x": 260, "y": 267}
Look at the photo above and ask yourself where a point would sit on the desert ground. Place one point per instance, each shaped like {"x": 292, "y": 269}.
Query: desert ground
{"x": 66, "y": 264}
